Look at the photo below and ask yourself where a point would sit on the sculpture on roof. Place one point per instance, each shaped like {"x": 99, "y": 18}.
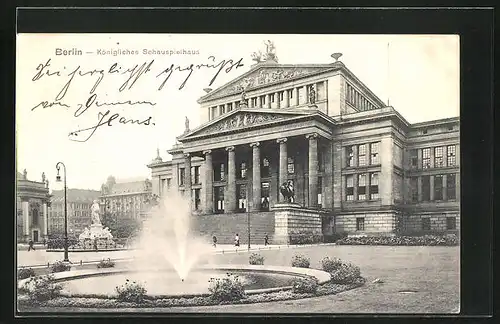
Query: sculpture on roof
{"x": 186, "y": 125}
{"x": 270, "y": 51}
{"x": 257, "y": 56}
{"x": 25, "y": 174}
{"x": 43, "y": 177}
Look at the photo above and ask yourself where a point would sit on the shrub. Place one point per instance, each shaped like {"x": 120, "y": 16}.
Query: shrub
{"x": 304, "y": 237}
{"x": 59, "y": 266}
{"x": 425, "y": 240}
{"x": 330, "y": 265}
{"x": 226, "y": 289}
{"x": 256, "y": 258}
{"x": 25, "y": 273}
{"x": 346, "y": 273}
{"x": 300, "y": 261}
{"x": 41, "y": 288}
{"x": 106, "y": 264}
{"x": 305, "y": 286}
{"x": 131, "y": 292}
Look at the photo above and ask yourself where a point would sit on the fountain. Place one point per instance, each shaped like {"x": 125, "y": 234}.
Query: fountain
{"x": 171, "y": 260}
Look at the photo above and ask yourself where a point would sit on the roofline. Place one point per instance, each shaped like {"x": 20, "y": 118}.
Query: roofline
{"x": 437, "y": 122}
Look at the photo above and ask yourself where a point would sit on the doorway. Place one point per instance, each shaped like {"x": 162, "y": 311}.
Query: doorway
{"x": 35, "y": 236}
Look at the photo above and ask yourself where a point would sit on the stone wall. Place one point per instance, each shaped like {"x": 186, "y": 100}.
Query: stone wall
{"x": 413, "y": 222}
{"x": 225, "y": 227}
{"x": 291, "y": 219}
{"x": 375, "y": 222}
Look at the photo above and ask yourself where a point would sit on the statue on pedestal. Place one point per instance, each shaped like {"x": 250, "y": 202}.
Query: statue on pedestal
{"x": 95, "y": 213}
{"x": 186, "y": 125}
{"x": 287, "y": 191}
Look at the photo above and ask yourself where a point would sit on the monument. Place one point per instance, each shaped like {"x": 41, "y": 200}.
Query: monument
{"x": 97, "y": 236}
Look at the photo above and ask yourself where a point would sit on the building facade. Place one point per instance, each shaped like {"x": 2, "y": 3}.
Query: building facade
{"x": 33, "y": 201}
{"x": 79, "y": 202}
{"x": 356, "y": 164}
{"x": 125, "y": 199}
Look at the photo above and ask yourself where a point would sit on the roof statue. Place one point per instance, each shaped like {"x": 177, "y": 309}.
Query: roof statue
{"x": 25, "y": 174}
{"x": 312, "y": 96}
{"x": 257, "y": 56}
{"x": 43, "y": 177}
{"x": 243, "y": 102}
{"x": 270, "y": 51}
{"x": 186, "y": 124}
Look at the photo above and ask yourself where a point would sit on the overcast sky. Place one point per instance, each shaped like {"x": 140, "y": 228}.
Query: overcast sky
{"x": 421, "y": 80}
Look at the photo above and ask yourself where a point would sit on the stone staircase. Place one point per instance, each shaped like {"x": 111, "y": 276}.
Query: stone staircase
{"x": 225, "y": 227}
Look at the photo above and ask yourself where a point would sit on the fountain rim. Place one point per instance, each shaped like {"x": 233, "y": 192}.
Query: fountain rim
{"x": 321, "y": 276}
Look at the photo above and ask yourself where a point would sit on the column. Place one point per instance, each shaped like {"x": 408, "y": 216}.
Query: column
{"x": 445, "y": 155}
{"x": 325, "y": 83}
{"x": 250, "y": 102}
{"x": 296, "y": 96}
{"x": 328, "y": 177}
{"x": 25, "y": 207}
{"x": 208, "y": 185}
{"x": 432, "y": 161}
{"x": 286, "y": 95}
{"x": 256, "y": 180}
{"x": 268, "y": 101}
{"x": 282, "y": 175}
{"x": 45, "y": 219}
{"x": 230, "y": 197}
{"x": 432, "y": 184}
{"x": 259, "y": 101}
{"x": 419, "y": 188}
{"x": 187, "y": 179}
{"x": 313, "y": 169}
{"x": 278, "y": 102}
{"x": 419, "y": 159}
{"x": 445, "y": 188}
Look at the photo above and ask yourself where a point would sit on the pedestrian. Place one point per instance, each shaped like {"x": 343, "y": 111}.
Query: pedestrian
{"x": 237, "y": 240}
{"x": 30, "y": 245}
{"x": 214, "y": 238}
{"x": 266, "y": 240}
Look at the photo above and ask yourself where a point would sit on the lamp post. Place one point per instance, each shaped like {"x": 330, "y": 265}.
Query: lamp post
{"x": 248, "y": 222}
{"x": 58, "y": 179}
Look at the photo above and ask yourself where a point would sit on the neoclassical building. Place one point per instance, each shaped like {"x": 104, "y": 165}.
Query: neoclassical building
{"x": 33, "y": 201}
{"x": 356, "y": 164}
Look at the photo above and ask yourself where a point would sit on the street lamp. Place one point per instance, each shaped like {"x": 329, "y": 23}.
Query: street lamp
{"x": 58, "y": 179}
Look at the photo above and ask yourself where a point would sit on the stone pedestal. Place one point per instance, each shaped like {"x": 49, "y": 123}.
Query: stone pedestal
{"x": 291, "y": 218}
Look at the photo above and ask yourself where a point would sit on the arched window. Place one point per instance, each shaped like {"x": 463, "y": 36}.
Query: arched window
{"x": 34, "y": 218}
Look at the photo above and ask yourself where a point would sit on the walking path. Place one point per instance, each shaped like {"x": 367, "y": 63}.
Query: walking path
{"x": 40, "y": 258}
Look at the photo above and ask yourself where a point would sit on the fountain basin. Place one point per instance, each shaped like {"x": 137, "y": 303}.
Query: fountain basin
{"x": 255, "y": 279}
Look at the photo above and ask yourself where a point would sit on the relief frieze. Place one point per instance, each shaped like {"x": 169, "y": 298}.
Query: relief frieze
{"x": 241, "y": 120}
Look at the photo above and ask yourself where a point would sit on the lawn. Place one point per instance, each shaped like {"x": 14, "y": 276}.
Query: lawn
{"x": 414, "y": 280}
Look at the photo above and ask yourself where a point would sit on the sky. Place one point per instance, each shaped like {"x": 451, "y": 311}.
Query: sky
{"x": 418, "y": 74}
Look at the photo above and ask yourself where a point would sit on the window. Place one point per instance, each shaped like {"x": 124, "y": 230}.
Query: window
{"x": 182, "y": 175}
{"x": 349, "y": 187}
{"x": 254, "y": 101}
{"x": 195, "y": 178}
{"x": 321, "y": 165}
{"x": 197, "y": 199}
{"x": 263, "y": 100}
{"x": 360, "y": 224}
{"x": 34, "y": 218}
{"x": 426, "y": 188}
{"x": 219, "y": 172}
{"x": 426, "y": 224}
{"x": 451, "y": 155}
{"x": 280, "y": 96}
{"x": 291, "y": 165}
{"x": 424, "y": 131}
{"x": 414, "y": 189}
{"x": 414, "y": 159}
{"x": 169, "y": 183}
{"x": 451, "y": 186}
{"x": 243, "y": 170}
{"x": 272, "y": 97}
{"x": 426, "y": 158}
{"x": 265, "y": 196}
{"x": 374, "y": 158}
{"x": 242, "y": 197}
{"x": 222, "y": 109}
{"x": 438, "y": 157}
{"x": 219, "y": 199}
{"x": 374, "y": 186}
{"x": 451, "y": 223}
{"x": 320, "y": 192}
{"x": 265, "y": 172}
{"x": 362, "y": 186}
{"x": 350, "y": 156}
{"x": 438, "y": 187}
{"x": 361, "y": 154}
{"x": 290, "y": 94}
{"x": 229, "y": 107}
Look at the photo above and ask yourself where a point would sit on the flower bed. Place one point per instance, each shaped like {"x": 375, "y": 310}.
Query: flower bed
{"x": 425, "y": 240}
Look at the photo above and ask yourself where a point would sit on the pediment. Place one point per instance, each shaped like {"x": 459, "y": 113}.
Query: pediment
{"x": 264, "y": 75}
{"x": 241, "y": 120}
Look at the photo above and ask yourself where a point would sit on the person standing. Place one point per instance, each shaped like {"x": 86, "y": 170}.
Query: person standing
{"x": 31, "y": 245}
{"x": 237, "y": 240}
{"x": 214, "y": 239}
{"x": 266, "y": 240}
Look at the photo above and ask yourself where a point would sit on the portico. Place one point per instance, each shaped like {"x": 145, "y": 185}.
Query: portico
{"x": 248, "y": 163}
